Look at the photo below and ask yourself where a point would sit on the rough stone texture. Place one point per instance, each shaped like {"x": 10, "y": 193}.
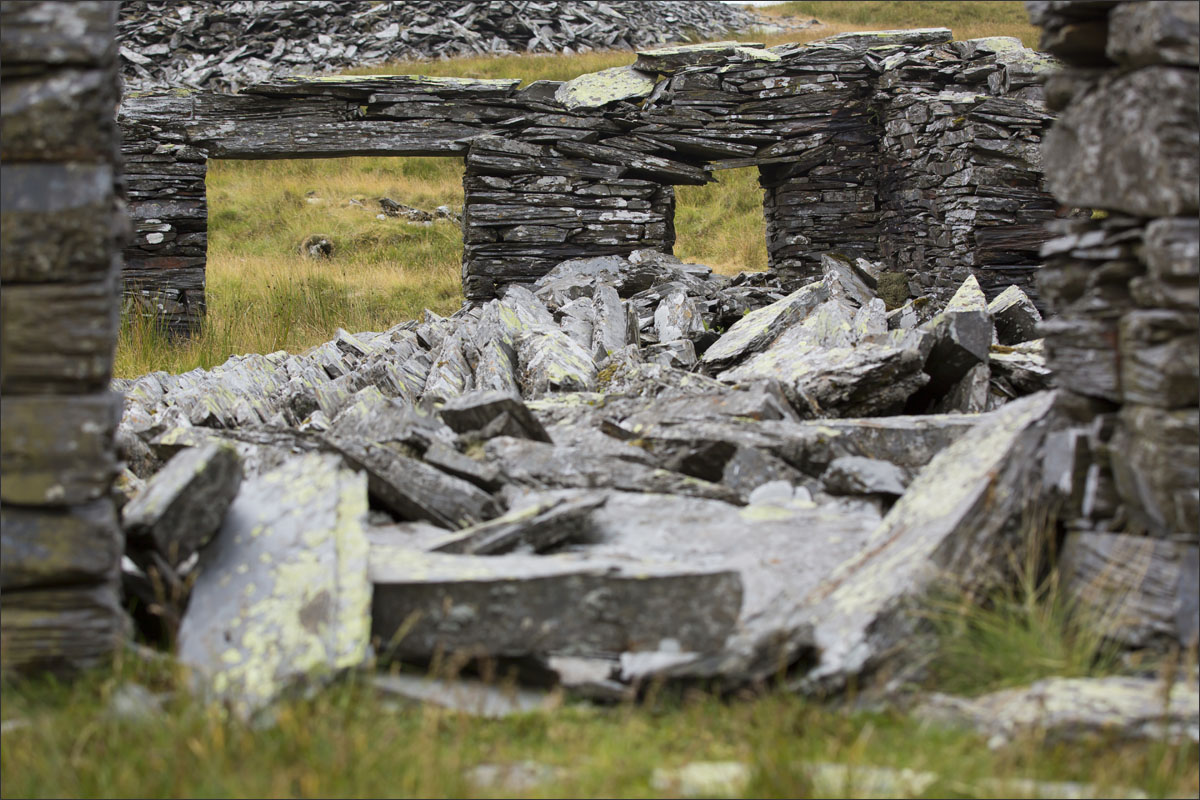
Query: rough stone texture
{"x": 1137, "y": 591}
{"x": 63, "y": 226}
{"x": 282, "y": 591}
{"x": 576, "y": 606}
{"x": 1123, "y": 286}
{"x": 953, "y": 524}
{"x": 1065, "y": 709}
{"x": 183, "y": 505}
{"x": 1130, "y": 144}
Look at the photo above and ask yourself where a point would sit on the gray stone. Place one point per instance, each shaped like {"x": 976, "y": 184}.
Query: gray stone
{"x": 432, "y": 602}
{"x": 760, "y": 327}
{"x": 598, "y": 89}
{"x": 1159, "y": 358}
{"x": 858, "y": 475}
{"x": 184, "y": 504}
{"x": 839, "y": 362}
{"x": 1015, "y": 316}
{"x": 414, "y": 490}
{"x": 1143, "y": 34}
{"x": 780, "y": 550}
{"x": 1129, "y": 145}
{"x": 956, "y": 521}
{"x": 1070, "y": 709}
{"x": 465, "y": 696}
{"x": 535, "y": 528}
{"x": 479, "y": 411}
{"x": 961, "y": 335}
{"x": 1133, "y": 589}
{"x": 1158, "y": 470}
{"x": 282, "y": 592}
{"x": 677, "y": 317}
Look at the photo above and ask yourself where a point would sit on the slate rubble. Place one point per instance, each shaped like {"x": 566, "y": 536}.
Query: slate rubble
{"x": 601, "y": 494}
{"x": 227, "y": 46}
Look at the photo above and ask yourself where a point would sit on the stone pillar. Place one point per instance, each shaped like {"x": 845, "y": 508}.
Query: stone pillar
{"x": 63, "y": 225}
{"x": 1124, "y": 285}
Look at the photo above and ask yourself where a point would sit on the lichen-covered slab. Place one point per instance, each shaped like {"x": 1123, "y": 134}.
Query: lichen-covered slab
{"x": 282, "y": 592}
{"x": 1076, "y": 708}
{"x": 597, "y": 89}
{"x": 183, "y": 505}
{"x": 759, "y": 328}
{"x": 953, "y": 524}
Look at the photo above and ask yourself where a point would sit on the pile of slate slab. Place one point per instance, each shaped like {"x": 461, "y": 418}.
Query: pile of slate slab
{"x": 637, "y": 469}
{"x": 223, "y": 46}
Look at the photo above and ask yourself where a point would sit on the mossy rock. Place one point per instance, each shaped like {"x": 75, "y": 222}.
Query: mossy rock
{"x": 893, "y": 288}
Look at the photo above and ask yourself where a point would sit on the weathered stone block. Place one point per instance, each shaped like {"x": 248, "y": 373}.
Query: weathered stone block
{"x": 58, "y": 450}
{"x": 49, "y": 547}
{"x": 1135, "y": 590}
{"x": 1156, "y": 463}
{"x": 1130, "y": 145}
{"x": 565, "y": 604}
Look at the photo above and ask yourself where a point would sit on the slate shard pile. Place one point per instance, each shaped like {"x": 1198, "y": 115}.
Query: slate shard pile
{"x": 619, "y": 456}
{"x": 63, "y": 226}
{"x": 1123, "y": 286}
{"x": 225, "y": 46}
{"x": 899, "y": 146}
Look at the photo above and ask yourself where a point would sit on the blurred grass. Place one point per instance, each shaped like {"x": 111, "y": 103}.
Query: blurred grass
{"x": 347, "y": 741}
{"x": 968, "y": 20}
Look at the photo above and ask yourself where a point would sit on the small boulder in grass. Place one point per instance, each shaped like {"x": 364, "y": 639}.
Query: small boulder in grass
{"x": 184, "y": 504}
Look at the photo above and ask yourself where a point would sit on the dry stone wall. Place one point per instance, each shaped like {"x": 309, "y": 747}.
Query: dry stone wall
{"x": 63, "y": 224}
{"x": 897, "y": 146}
{"x": 1124, "y": 285}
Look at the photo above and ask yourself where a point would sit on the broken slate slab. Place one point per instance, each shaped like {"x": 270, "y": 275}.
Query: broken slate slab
{"x": 282, "y": 591}
{"x": 183, "y": 505}
{"x": 1068, "y": 709}
{"x": 955, "y": 523}
{"x": 1015, "y": 316}
{"x": 479, "y": 410}
{"x": 519, "y": 605}
{"x": 536, "y": 528}
{"x": 414, "y": 490}
{"x": 759, "y": 328}
{"x": 858, "y": 475}
{"x": 961, "y": 334}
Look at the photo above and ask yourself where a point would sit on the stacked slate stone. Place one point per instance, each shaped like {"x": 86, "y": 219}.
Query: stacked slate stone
{"x": 562, "y": 170}
{"x": 63, "y": 225}
{"x": 620, "y": 454}
{"x": 963, "y": 124}
{"x": 223, "y": 46}
{"x": 1123, "y": 285}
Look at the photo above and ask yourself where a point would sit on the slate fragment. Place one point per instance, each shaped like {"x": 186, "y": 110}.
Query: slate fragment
{"x": 183, "y": 505}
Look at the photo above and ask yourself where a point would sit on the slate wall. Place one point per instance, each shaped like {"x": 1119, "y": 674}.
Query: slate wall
{"x": 899, "y": 146}
{"x": 63, "y": 225}
{"x": 1125, "y": 286}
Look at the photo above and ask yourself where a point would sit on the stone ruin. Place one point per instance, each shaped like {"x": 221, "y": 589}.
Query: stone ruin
{"x": 902, "y": 147}
{"x": 623, "y": 468}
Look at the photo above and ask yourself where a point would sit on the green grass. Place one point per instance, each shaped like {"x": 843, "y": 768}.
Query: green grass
{"x": 348, "y": 742}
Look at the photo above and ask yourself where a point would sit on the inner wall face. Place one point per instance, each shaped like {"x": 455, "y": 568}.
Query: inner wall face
{"x": 927, "y": 161}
